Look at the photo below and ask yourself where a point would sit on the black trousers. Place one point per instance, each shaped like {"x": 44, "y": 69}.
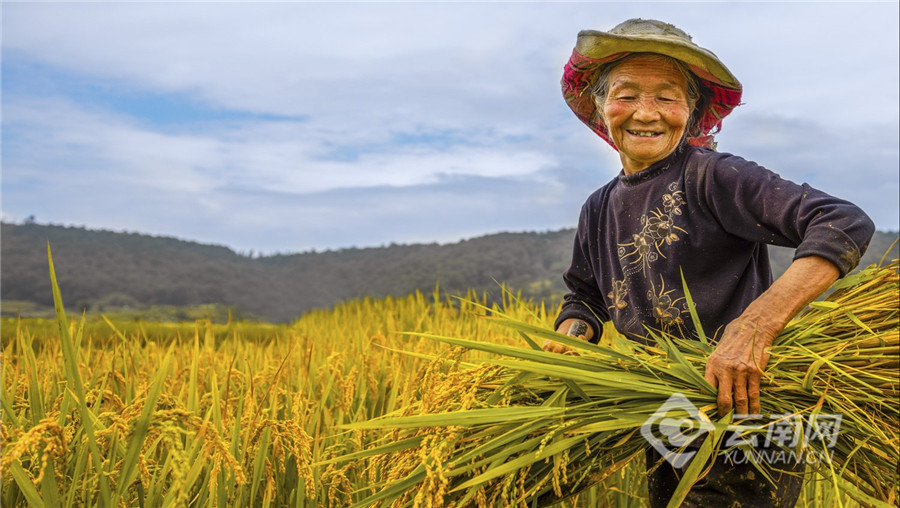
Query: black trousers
{"x": 728, "y": 484}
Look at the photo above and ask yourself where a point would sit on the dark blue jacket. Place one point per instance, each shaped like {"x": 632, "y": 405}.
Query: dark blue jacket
{"x": 707, "y": 215}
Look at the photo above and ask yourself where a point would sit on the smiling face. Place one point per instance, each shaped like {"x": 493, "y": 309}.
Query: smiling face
{"x": 646, "y": 110}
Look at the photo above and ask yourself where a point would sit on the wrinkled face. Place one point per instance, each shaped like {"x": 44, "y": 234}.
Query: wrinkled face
{"x": 646, "y": 110}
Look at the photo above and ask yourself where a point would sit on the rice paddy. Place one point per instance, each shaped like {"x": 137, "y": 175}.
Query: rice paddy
{"x": 103, "y": 413}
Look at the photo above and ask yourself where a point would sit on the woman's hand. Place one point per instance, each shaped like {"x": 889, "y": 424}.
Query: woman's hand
{"x": 736, "y": 366}
{"x": 573, "y": 327}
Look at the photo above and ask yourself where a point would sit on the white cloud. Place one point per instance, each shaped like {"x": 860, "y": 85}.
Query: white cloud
{"x": 70, "y": 146}
{"x": 283, "y": 58}
{"x": 404, "y": 106}
{"x": 260, "y": 155}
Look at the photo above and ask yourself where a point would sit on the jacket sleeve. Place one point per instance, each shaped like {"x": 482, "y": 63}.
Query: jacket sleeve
{"x": 584, "y": 300}
{"x": 755, "y": 204}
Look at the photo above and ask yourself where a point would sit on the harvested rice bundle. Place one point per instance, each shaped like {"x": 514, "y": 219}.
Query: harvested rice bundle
{"x": 535, "y": 427}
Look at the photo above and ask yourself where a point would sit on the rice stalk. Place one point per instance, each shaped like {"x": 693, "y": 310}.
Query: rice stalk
{"x": 528, "y": 438}
{"x": 224, "y": 416}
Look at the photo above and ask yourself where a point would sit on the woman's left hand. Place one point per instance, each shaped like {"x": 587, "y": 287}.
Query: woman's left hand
{"x": 736, "y": 366}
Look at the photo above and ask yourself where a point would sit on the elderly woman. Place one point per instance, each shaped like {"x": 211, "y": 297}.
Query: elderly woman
{"x": 679, "y": 208}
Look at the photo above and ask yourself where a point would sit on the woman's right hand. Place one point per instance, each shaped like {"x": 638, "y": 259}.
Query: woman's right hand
{"x": 573, "y": 327}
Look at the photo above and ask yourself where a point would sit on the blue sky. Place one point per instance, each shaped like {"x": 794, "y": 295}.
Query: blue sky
{"x": 289, "y": 126}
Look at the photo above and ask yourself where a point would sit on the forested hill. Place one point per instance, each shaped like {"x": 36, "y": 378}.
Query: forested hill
{"x": 104, "y": 271}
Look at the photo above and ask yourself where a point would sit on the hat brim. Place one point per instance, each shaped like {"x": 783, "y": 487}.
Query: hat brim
{"x": 595, "y": 49}
{"x": 603, "y": 45}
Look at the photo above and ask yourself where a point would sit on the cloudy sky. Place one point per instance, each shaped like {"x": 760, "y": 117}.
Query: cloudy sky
{"x": 288, "y": 126}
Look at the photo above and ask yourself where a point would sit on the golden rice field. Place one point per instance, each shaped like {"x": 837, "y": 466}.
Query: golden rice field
{"x": 230, "y": 414}
{"x": 100, "y": 413}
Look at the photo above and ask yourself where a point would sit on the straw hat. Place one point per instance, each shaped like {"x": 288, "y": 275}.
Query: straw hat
{"x": 595, "y": 49}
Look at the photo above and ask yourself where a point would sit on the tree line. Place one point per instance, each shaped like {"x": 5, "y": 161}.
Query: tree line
{"x": 106, "y": 271}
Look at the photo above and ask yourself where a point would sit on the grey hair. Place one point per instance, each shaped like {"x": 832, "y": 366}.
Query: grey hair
{"x": 698, "y": 96}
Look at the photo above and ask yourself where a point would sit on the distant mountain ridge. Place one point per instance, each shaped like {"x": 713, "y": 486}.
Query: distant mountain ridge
{"x": 103, "y": 270}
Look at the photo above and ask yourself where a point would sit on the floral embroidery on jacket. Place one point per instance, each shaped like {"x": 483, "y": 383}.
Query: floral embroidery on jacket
{"x": 617, "y": 295}
{"x": 664, "y": 309}
{"x": 658, "y": 230}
